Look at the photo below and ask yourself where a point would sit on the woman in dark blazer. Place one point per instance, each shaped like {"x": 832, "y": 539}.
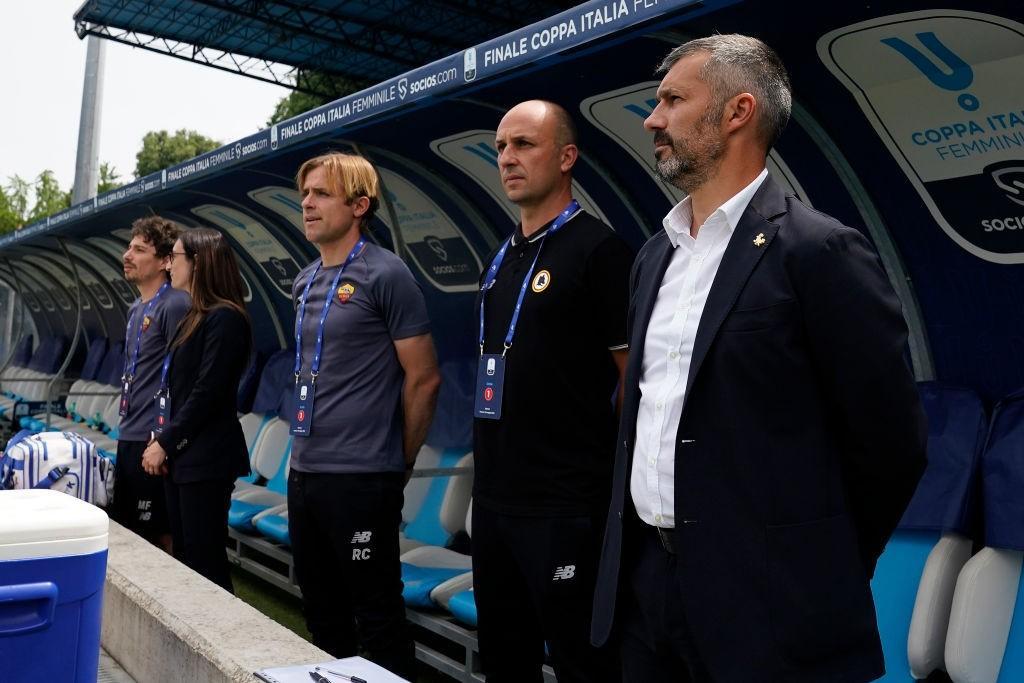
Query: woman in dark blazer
{"x": 198, "y": 442}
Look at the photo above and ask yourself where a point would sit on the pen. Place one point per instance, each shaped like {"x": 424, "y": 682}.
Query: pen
{"x": 353, "y": 679}
{"x": 318, "y": 678}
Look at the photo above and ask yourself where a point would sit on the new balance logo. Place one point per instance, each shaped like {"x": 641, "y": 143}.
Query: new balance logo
{"x": 566, "y": 572}
{"x": 362, "y": 536}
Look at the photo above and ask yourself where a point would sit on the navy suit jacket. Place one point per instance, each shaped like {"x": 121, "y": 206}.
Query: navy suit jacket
{"x": 204, "y": 439}
{"x": 800, "y": 443}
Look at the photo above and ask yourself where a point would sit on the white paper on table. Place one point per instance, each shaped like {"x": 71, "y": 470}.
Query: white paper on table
{"x": 351, "y": 666}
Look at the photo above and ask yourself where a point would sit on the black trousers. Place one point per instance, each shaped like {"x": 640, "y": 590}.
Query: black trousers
{"x": 344, "y": 533}
{"x": 533, "y": 580}
{"x": 139, "y": 502}
{"x": 198, "y": 513}
{"x": 657, "y": 643}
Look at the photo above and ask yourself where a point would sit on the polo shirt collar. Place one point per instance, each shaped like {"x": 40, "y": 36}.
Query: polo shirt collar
{"x": 518, "y": 237}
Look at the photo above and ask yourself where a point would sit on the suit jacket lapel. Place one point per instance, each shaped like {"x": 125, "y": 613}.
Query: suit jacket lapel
{"x": 751, "y": 239}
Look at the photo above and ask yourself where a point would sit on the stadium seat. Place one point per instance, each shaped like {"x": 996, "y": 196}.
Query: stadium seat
{"x": 273, "y": 524}
{"x": 456, "y": 594}
{"x": 426, "y": 567}
{"x": 253, "y": 426}
{"x": 424, "y": 496}
{"x": 90, "y": 370}
{"x": 271, "y": 456}
{"x": 462, "y": 605}
{"x": 985, "y": 639}
{"x": 30, "y": 383}
{"x": 914, "y": 577}
{"x": 22, "y": 352}
{"x": 104, "y": 389}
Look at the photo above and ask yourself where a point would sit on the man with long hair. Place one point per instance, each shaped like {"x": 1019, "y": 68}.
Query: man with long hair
{"x": 139, "y": 502}
{"x": 366, "y": 382}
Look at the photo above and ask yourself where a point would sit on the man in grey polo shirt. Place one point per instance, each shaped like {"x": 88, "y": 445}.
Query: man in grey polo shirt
{"x": 152, "y": 321}
{"x": 365, "y": 389}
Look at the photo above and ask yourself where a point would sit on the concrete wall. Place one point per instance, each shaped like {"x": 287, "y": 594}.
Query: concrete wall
{"x": 163, "y": 622}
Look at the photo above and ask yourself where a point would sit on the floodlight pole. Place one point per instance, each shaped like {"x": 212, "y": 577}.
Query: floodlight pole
{"x": 87, "y": 165}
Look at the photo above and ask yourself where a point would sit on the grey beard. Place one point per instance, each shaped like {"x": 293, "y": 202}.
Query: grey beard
{"x": 675, "y": 171}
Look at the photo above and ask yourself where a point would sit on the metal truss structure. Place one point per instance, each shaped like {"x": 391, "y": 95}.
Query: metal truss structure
{"x": 362, "y": 41}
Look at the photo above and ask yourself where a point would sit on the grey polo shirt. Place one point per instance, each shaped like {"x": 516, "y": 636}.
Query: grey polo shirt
{"x": 157, "y": 332}
{"x": 357, "y": 410}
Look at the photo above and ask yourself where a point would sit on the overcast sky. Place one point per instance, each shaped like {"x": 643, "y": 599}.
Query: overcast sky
{"x": 43, "y": 62}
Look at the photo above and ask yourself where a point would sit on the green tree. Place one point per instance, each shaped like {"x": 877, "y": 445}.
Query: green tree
{"x": 109, "y": 178}
{"x": 313, "y": 89}
{"x": 18, "y": 192}
{"x": 49, "y": 197}
{"x": 12, "y": 207}
{"x": 161, "y": 149}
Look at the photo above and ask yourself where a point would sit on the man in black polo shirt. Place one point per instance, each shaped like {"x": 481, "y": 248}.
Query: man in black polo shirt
{"x": 545, "y": 423}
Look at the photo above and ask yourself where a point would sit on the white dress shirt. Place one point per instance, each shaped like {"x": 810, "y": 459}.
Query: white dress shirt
{"x": 668, "y": 348}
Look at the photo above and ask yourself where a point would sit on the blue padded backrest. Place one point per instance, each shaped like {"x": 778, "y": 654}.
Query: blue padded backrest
{"x": 112, "y": 365}
{"x": 42, "y": 358}
{"x": 957, "y": 426}
{"x": 249, "y": 382}
{"x": 78, "y": 356}
{"x": 450, "y": 428}
{"x": 23, "y": 352}
{"x": 94, "y": 358}
{"x": 273, "y": 382}
{"x": 1003, "y": 475}
{"x": 60, "y": 347}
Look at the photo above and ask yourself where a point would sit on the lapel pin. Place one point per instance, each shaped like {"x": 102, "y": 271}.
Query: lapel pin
{"x": 759, "y": 240}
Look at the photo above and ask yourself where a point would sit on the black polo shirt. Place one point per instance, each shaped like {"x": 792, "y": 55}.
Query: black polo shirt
{"x": 553, "y": 448}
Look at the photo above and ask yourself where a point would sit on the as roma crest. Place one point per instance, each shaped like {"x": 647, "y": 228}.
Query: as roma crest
{"x": 146, "y": 322}
{"x": 345, "y": 292}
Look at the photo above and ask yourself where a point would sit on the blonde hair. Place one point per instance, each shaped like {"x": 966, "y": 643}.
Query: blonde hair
{"x": 348, "y": 175}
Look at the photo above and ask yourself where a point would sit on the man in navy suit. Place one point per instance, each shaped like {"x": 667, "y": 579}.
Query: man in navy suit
{"x": 771, "y": 432}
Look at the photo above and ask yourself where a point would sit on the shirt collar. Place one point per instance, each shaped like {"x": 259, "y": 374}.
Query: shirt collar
{"x": 679, "y": 220}
{"x": 518, "y": 237}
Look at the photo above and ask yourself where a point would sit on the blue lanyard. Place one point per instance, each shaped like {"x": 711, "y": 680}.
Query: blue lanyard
{"x": 301, "y": 313}
{"x": 492, "y": 274}
{"x": 163, "y": 372}
{"x": 131, "y": 365}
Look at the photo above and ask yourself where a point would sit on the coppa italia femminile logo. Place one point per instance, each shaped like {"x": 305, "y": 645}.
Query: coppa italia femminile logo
{"x": 944, "y": 90}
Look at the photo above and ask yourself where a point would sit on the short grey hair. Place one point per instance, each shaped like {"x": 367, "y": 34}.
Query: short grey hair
{"x": 736, "y": 64}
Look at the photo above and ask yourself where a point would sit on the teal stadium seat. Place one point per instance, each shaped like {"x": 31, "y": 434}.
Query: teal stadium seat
{"x": 985, "y": 640}
{"x": 427, "y": 566}
{"x": 271, "y": 456}
{"x": 914, "y": 577}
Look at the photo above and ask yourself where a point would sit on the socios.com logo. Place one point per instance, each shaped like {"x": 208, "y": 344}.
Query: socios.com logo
{"x": 403, "y": 88}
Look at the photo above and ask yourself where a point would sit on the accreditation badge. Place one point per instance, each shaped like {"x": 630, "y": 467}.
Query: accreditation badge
{"x": 163, "y": 411}
{"x": 126, "y": 387}
{"x": 490, "y": 380}
{"x": 302, "y": 416}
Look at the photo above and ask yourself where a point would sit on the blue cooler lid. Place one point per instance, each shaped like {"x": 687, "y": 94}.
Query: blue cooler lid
{"x": 44, "y": 523}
